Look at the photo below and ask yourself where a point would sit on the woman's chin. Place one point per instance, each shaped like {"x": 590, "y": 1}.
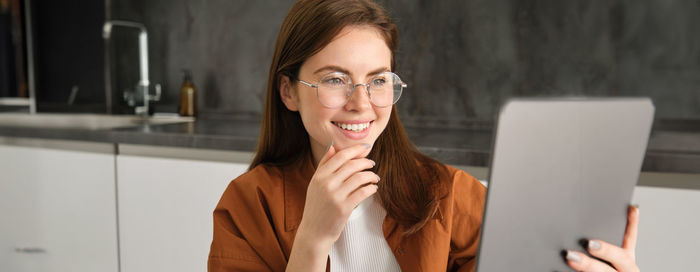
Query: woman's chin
{"x": 343, "y": 145}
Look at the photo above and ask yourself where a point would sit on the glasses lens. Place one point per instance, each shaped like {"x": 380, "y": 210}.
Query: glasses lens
{"x": 385, "y": 89}
{"x": 333, "y": 90}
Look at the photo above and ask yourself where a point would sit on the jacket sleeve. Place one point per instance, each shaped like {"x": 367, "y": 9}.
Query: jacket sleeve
{"x": 468, "y": 205}
{"x": 230, "y": 251}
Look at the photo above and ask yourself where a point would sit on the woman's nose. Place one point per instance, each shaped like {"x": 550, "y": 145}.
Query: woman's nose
{"x": 359, "y": 98}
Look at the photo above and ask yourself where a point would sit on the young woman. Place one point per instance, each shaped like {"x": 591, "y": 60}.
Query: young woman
{"x": 336, "y": 183}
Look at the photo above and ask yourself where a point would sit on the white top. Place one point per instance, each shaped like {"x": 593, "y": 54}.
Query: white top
{"x": 362, "y": 246}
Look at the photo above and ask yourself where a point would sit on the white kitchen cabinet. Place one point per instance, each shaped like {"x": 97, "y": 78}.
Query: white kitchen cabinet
{"x": 57, "y": 206}
{"x": 165, "y": 209}
{"x": 669, "y": 228}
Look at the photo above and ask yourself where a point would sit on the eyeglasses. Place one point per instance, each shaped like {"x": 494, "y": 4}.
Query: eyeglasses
{"x": 335, "y": 89}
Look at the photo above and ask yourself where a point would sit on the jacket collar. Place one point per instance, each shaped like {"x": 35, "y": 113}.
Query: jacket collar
{"x": 296, "y": 178}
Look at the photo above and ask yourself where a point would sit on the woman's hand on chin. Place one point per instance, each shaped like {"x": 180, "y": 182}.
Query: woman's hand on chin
{"x": 621, "y": 258}
{"x": 341, "y": 181}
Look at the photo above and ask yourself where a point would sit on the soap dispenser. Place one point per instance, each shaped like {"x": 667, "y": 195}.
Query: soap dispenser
{"x": 187, "y": 95}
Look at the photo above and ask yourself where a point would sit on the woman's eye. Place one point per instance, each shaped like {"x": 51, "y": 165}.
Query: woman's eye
{"x": 378, "y": 81}
{"x": 334, "y": 81}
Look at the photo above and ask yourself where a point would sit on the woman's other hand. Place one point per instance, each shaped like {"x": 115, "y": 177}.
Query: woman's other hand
{"x": 622, "y": 259}
{"x": 340, "y": 183}
{"x": 337, "y": 187}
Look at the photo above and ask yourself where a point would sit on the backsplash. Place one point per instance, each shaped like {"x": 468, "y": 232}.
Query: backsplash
{"x": 461, "y": 59}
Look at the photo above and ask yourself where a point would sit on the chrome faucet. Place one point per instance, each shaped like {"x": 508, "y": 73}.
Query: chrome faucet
{"x": 140, "y": 98}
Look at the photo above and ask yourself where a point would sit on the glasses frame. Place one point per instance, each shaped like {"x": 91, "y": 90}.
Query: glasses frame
{"x": 352, "y": 88}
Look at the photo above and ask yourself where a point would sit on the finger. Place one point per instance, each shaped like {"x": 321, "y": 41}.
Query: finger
{"x": 361, "y": 194}
{"x": 350, "y": 168}
{"x": 630, "y": 241}
{"x": 356, "y": 181}
{"x": 580, "y": 262}
{"x": 342, "y": 156}
{"x": 616, "y": 256}
{"x": 330, "y": 151}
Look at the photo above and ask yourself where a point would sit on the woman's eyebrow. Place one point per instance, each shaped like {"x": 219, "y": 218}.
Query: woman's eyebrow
{"x": 345, "y": 71}
{"x": 332, "y": 68}
{"x": 379, "y": 70}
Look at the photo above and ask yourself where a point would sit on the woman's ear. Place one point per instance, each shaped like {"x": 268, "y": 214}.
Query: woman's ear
{"x": 288, "y": 95}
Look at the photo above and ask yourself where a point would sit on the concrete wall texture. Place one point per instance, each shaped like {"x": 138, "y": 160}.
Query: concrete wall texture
{"x": 461, "y": 59}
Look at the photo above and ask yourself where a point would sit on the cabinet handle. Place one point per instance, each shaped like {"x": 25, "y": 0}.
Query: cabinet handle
{"x": 29, "y": 250}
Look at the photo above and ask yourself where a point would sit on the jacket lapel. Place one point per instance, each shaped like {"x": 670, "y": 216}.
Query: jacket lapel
{"x": 296, "y": 180}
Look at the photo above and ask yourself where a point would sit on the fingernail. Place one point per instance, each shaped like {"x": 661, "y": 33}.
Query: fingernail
{"x": 378, "y": 178}
{"x": 636, "y": 208}
{"x": 367, "y": 145}
{"x": 373, "y": 163}
{"x": 329, "y": 147}
{"x": 571, "y": 256}
{"x": 593, "y": 245}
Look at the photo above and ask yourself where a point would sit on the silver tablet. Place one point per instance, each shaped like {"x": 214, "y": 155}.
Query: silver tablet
{"x": 562, "y": 170}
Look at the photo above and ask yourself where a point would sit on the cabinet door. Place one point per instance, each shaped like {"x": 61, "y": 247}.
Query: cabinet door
{"x": 58, "y": 210}
{"x": 669, "y": 228}
{"x": 165, "y": 211}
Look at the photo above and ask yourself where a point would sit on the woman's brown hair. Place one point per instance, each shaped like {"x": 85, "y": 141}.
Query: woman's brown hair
{"x": 412, "y": 183}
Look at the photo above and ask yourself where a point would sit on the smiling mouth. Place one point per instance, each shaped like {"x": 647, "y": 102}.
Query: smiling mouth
{"x": 353, "y": 127}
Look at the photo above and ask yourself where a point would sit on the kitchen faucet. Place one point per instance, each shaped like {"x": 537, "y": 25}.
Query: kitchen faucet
{"x": 140, "y": 98}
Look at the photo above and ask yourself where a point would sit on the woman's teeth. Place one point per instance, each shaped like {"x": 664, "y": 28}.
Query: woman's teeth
{"x": 353, "y": 127}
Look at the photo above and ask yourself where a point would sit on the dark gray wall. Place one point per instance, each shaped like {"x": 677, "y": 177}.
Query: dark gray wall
{"x": 460, "y": 58}
{"x": 68, "y": 52}
{"x": 226, "y": 44}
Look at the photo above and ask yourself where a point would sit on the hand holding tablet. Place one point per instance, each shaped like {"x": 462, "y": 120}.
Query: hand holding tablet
{"x": 621, "y": 258}
{"x": 563, "y": 171}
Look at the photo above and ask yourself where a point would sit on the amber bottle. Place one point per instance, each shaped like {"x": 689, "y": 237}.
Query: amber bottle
{"x": 188, "y": 95}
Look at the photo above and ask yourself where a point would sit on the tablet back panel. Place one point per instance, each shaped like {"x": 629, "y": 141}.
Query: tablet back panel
{"x": 562, "y": 170}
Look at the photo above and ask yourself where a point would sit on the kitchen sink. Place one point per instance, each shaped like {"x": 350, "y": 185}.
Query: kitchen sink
{"x": 85, "y": 121}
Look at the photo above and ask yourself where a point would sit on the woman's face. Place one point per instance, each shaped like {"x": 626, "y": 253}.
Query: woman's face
{"x": 360, "y": 52}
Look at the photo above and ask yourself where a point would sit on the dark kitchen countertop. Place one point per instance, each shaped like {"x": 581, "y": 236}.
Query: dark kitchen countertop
{"x": 674, "y": 146}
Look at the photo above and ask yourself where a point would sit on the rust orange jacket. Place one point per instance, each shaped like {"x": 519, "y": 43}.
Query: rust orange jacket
{"x": 257, "y": 217}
